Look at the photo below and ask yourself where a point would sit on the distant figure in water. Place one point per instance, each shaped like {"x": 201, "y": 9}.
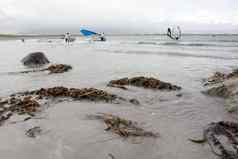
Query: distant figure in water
{"x": 67, "y": 37}
{"x": 169, "y": 33}
{"x": 23, "y": 40}
{"x": 102, "y": 37}
{"x": 174, "y": 33}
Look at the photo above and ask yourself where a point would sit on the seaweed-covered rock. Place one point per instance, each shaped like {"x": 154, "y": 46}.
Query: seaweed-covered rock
{"x": 30, "y": 102}
{"x": 55, "y": 68}
{"x": 20, "y": 105}
{"x": 59, "y": 68}
{"x": 219, "y": 77}
{"x": 227, "y": 90}
{"x": 90, "y": 94}
{"x": 219, "y": 91}
{"x": 150, "y": 83}
{"x": 35, "y": 59}
{"x": 233, "y": 74}
{"x": 215, "y": 133}
{"x": 216, "y": 78}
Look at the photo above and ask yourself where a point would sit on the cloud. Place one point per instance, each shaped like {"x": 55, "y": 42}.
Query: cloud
{"x": 121, "y": 15}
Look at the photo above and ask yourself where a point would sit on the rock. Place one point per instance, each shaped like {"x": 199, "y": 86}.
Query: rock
{"x": 34, "y": 132}
{"x": 55, "y": 68}
{"x": 219, "y": 77}
{"x": 117, "y": 86}
{"x": 5, "y": 116}
{"x": 179, "y": 95}
{"x": 90, "y": 94}
{"x": 18, "y": 105}
{"x": 145, "y": 82}
{"x": 29, "y": 102}
{"x": 27, "y": 106}
{"x": 59, "y": 68}
{"x": 222, "y": 139}
{"x": 216, "y": 78}
{"x": 233, "y": 74}
{"x": 134, "y": 101}
{"x": 227, "y": 90}
{"x": 35, "y": 59}
{"x": 220, "y": 91}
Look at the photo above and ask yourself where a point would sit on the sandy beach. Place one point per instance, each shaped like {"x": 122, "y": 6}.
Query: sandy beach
{"x": 177, "y": 115}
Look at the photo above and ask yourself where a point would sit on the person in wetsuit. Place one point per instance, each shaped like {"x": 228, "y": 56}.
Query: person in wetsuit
{"x": 169, "y": 33}
{"x": 67, "y": 37}
{"x": 102, "y": 37}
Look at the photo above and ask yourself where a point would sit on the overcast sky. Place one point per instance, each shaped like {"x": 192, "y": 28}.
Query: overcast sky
{"x": 118, "y": 16}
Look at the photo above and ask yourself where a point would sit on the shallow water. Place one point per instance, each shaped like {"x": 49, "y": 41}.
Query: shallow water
{"x": 67, "y": 132}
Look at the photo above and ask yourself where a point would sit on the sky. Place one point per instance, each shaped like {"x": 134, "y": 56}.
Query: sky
{"x": 118, "y": 16}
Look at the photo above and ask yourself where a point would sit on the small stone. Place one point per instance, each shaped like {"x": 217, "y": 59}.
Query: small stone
{"x": 33, "y": 132}
{"x": 179, "y": 95}
{"x": 134, "y": 101}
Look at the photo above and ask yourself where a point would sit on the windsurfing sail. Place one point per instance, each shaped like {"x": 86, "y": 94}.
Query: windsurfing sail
{"x": 88, "y": 32}
{"x": 174, "y": 33}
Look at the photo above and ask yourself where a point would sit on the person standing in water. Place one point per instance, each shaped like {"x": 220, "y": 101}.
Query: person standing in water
{"x": 67, "y": 37}
{"x": 102, "y": 37}
{"x": 169, "y": 33}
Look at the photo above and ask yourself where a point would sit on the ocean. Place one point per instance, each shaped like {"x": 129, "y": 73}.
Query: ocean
{"x": 68, "y": 134}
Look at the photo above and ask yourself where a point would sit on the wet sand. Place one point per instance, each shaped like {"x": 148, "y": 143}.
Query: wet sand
{"x": 67, "y": 133}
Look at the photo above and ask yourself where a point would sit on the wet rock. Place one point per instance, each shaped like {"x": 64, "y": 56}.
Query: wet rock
{"x": 18, "y": 105}
{"x": 216, "y": 78}
{"x": 179, "y": 95}
{"x": 55, "y": 68}
{"x": 227, "y": 90}
{"x": 215, "y": 133}
{"x": 122, "y": 127}
{"x": 149, "y": 83}
{"x": 27, "y": 106}
{"x": 226, "y": 87}
{"x": 220, "y": 91}
{"x": 35, "y": 59}
{"x": 134, "y": 101}
{"x": 219, "y": 77}
{"x": 59, "y": 68}
{"x": 117, "y": 86}
{"x": 29, "y": 102}
{"x": 5, "y": 116}
{"x": 34, "y": 132}
{"x": 233, "y": 74}
{"x": 90, "y": 94}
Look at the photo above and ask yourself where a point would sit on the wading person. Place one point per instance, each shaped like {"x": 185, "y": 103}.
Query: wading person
{"x": 169, "y": 33}
{"x": 67, "y": 37}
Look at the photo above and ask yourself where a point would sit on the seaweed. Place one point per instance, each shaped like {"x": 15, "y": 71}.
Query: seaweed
{"x": 145, "y": 82}
{"x": 122, "y": 127}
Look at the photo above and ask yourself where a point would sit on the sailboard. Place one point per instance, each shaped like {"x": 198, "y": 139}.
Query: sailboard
{"x": 88, "y": 32}
{"x": 93, "y": 35}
